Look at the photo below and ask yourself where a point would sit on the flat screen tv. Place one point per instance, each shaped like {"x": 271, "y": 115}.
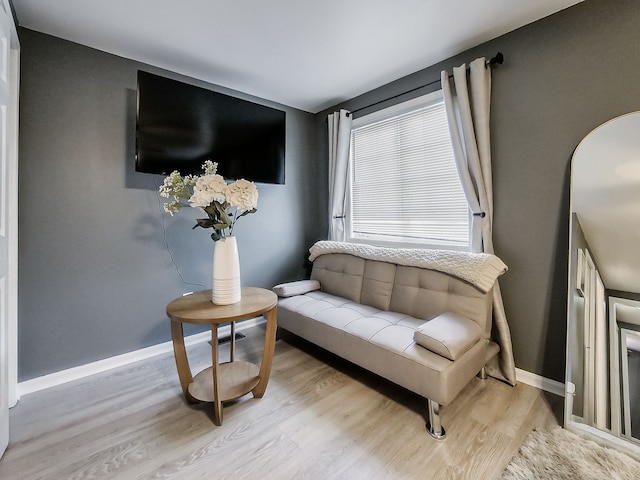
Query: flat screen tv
{"x": 179, "y": 126}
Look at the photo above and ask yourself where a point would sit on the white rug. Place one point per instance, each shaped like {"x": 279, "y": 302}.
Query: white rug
{"x": 559, "y": 454}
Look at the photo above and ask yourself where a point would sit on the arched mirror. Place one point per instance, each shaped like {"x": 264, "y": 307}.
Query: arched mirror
{"x": 603, "y": 325}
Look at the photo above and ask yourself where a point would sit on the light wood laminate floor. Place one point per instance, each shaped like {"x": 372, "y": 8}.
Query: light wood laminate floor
{"x": 321, "y": 418}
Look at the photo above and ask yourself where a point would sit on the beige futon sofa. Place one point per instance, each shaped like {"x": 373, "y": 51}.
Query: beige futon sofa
{"x": 419, "y": 318}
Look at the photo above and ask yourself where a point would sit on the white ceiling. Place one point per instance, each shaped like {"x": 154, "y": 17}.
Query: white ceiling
{"x": 305, "y": 54}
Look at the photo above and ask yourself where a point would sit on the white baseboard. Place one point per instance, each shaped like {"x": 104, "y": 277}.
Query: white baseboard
{"x": 82, "y": 371}
{"x": 546, "y": 384}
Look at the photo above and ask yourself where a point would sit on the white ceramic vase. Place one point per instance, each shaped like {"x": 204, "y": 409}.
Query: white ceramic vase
{"x": 226, "y": 272}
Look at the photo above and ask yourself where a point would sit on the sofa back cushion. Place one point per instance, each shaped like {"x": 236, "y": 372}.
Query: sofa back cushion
{"x": 377, "y": 284}
{"x": 340, "y": 274}
{"x": 415, "y": 291}
{"x": 425, "y": 294}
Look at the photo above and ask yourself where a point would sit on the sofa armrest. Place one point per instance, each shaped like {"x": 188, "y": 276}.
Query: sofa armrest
{"x": 449, "y": 335}
{"x": 300, "y": 287}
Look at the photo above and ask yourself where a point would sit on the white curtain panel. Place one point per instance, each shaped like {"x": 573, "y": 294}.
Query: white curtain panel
{"x": 339, "y": 139}
{"x": 467, "y": 104}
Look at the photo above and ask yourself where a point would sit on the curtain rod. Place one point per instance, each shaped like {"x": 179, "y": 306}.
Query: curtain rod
{"x": 492, "y": 63}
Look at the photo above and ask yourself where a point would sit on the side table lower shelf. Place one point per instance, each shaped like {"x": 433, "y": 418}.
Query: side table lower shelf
{"x": 235, "y": 379}
{"x": 227, "y": 381}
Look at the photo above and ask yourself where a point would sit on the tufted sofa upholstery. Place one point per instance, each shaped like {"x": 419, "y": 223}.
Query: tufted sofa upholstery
{"x": 369, "y": 311}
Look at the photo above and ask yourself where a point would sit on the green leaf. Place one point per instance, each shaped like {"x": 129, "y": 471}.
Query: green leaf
{"x": 224, "y": 218}
{"x": 211, "y": 209}
{"x": 204, "y": 223}
{"x": 247, "y": 212}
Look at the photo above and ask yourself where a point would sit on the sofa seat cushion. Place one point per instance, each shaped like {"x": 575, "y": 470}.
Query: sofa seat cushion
{"x": 391, "y": 330}
{"x": 450, "y": 335}
{"x": 380, "y": 341}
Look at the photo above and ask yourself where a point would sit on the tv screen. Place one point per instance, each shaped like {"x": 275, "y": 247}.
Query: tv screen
{"x": 179, "y": 126}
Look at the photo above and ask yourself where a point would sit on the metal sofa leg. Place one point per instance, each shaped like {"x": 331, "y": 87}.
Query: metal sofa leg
{"x": 434, "y": 427}
{"x": 483, "y": 373}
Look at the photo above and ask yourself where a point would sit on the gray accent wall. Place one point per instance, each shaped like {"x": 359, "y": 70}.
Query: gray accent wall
{"x": 98, "y": 258}
{"x": 562, "y": 77}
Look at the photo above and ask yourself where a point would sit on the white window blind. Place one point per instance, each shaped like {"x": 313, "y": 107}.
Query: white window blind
{"x": 404, "y": 183}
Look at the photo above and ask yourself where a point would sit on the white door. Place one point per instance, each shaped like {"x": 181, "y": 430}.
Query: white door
{"x": 9, "y": 55}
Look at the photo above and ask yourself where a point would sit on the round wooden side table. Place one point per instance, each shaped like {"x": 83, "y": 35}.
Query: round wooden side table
{"x": 223, "y": 381}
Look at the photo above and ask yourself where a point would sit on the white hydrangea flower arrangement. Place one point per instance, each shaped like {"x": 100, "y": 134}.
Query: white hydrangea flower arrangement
{"x": 223, "y": 203}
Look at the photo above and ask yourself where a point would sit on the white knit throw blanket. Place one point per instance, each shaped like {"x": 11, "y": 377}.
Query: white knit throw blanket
{"x": 479, "y": 269}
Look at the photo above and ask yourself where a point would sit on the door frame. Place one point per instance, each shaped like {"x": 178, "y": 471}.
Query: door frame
{"x": 12, "y": 220}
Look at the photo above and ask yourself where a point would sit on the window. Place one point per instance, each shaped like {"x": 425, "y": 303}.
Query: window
{"x": 405, "y": 188}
